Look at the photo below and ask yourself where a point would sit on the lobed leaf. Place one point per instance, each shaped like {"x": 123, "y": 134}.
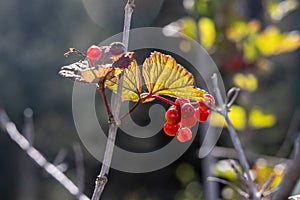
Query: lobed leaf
{"x": 132, "y": 85}
{"x": 163, "y": 76}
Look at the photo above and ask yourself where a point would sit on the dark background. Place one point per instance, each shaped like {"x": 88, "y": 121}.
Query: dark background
{"x": 35, "y": 34}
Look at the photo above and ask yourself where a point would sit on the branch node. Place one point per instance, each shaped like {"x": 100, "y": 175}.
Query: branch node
{"x": 102, "y": 180}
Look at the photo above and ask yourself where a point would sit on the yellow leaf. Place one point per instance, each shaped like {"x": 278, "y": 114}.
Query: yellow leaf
{"x": 207, "y": 32}
{"x": 237, "y": 116}
{"x": 290, "y": 42}
{"x": 94, "y": 75}
{"x": 223, "y": 169}
{"x": 272, "y": 42}
{"x": 257, "y": 119}
{"x": 250, "y": 51}
{"x": 188, "y": 27}
{"x": 245, "y": 81}
{"x": 278, "y": 10}
{"x": 132, "y": 85}
{"x": 237, "y": 31}
{"x": 163, "y": 76}
{"x": 217, "y": 120}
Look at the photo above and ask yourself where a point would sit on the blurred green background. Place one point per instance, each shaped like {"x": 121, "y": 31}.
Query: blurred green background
{"x": 34, "y": 35}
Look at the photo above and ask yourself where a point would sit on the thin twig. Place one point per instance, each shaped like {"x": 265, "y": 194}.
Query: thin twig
{"x": 290, "y": 135}
{"x": 235, "y": 140}
{"x": 232, "y": 94}
{"x": 113, "y": 126}
{"x": 267, "y": 185}
{"x": 79, "y": 167}
{"x": 136, "y": 105}
{"x": 28, "y": 129}
{"x": 295, "y": 197}
{"x": 35, "y": 155}
{"x": 271, "y": 191}
{"x": 241, "y": 178}
{"x": 226, "y": 152}
{"x": 58, "y": 161}
{"x": 127, "y": 22}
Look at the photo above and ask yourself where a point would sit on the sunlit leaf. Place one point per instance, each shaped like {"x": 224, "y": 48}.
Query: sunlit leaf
{"x": 132, "y": 85}
{"x": 207, "y": 31}
{"x": 258, "y": 119}
{"x": 237, "y": 31}
{"x": 217, "y": 120}
{"x": 237, "y": 116}
{"x": 272, "y": 42}
{"x": 110, "y": 62}
{"x": 223, "y": 169}
{"x": 263, "y": 170}
{"x": 245, "y": 81}
{"x": 94, "y": 75}
{"x": 277, "y": 10}
{"x": 249, "y": 49}
{"x": 240, "y": 30}
{"x": 279, "y": 171}
{"x": 202, "y": 6}
{"x": 82, "y": 72}
{"x": 188, "y": 27}
{"x": 163, "y": 76}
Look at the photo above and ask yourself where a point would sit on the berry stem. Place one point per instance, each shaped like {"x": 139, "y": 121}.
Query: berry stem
{"x": 164, "y": 99}
{"x": 133, "y": 108}
{"x": 101, "y": 88}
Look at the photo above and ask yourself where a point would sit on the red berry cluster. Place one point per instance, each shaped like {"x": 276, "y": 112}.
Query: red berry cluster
{"x": 183, "y": 115}
{"x": 115, "y": 49}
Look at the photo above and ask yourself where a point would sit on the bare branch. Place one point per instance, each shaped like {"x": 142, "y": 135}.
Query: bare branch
{"x": 113, "y": 127}
{"x": 35, "y": 155}
{"x": 235, "y": 140}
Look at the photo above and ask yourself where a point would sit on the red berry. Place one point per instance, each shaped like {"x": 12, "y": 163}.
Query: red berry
{"x": 189, "y": 122}
{"x": 202, "y": 106}
{"x": 171, "y": 129}
{"x": 210, "y": 98}
{"x": 94, "y": 52}
{"x": 202, "y": 114}
{"x": 180, "y": 101}
{"x": 187, "y": 110}
{"x": 117, "y": 49}
{"x": 184, "y": 134}
{"x": 173, "y": 115}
